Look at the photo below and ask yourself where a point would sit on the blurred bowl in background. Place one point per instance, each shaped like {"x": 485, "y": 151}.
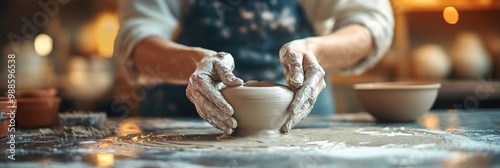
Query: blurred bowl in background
{"x": 469, "y": 56}
{"x": 37, "y": 112}
{"x": 397, "y": 101}
{"x": 431, "y": 61}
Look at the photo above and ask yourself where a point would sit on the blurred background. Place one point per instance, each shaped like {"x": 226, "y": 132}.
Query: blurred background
{"x": 68, "y": 45}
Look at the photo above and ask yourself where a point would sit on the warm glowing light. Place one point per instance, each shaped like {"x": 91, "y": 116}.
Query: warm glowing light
{"x": 484, "y": 2}
{"x": 98, "y": 36}
{"x": 106, "y": 30}
{"x": 450, "y": 15}
{"x": 453, "y": 122}
{"x": 468, "y": 159}
{"x": 128, "y": 127}
{"x": 105, "y": 160}
{"x": 43, "y": 45}
{"x": 86, "y": 39}
{"x": 430, "y": 121}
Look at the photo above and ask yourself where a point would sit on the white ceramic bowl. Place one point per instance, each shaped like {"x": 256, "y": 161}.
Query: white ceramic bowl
{"x": 397, "y": 101}
{"x": 259, "y": 107}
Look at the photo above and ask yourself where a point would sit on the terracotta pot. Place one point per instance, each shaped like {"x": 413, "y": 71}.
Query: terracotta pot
{"x": 37, "y": 112}
{"x": 5, "y": 108}
{"x": 260, "y": 108}
{"x": 34, "y": 93}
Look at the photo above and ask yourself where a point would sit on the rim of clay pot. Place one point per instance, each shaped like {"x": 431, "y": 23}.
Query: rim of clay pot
{"x": 6, "y": 99}
{"x": 34, "y": 93}
{"x": 38, "y": 99}
{"x": 397, "y": 85}
{"x": 261, "y": 85}
{"x": 248, "y": 89}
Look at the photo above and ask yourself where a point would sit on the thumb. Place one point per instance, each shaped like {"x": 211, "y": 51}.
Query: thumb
{"x": 226, "y": 76}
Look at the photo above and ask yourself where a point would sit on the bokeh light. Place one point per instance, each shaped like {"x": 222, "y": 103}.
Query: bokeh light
{"x": 107, "y": 29}
{"x": 430, "y": 121}
{"x": 43, "y": 45}
{"x": 450, "y": 15}
{"x": 105, "y": 159}
{"x": 98, "y": 36}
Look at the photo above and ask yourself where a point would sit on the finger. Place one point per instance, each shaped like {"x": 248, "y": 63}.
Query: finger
{"x": 208, "y": 111}
{"x": 312, "y": 67}
{"x": 297, "y": 117}
{"x": 224, "y": 69}
{"x": 298, "y": 108}
{"x": 206, "y": 87}
{"x": 219, "y": 85}
{"x": 305, "y": 97}
{"x": 226, "y": 75}
{"x": 292, "y": 65}
{"x": 295, "y": 70}
{"x": 310, "y": 88}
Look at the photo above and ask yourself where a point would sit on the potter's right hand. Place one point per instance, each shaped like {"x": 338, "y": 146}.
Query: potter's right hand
{"x": 213, "y": 74}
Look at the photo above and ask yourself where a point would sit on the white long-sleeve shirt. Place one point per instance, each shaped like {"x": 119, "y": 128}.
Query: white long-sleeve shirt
{"x": 144, "y": 18}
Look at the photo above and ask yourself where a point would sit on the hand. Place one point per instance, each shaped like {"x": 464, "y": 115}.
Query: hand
{"x": 204, "y": 90}
{"x": 303, "y": 74}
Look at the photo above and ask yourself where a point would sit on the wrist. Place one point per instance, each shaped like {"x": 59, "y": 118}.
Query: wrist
{"x": 312, "y": 44}
{"x": 199, "y": 53}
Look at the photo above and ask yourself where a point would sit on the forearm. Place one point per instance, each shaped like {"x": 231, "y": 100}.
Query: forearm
{"x": 342, "y": 48}
{"x": 176, "y": 62}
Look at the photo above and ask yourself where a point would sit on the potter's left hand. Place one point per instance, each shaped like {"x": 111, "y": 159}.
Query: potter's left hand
{"x": 305, "y": 76}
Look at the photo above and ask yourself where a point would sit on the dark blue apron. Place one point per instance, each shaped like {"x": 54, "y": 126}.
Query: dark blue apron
{"x": 253, "y": 31}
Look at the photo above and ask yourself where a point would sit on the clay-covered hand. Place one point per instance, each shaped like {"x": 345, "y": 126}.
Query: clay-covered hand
{"x": 213, "y": 74}
{"x": 305, "y": 76}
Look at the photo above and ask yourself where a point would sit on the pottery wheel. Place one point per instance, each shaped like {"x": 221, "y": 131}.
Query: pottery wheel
{"x": 324, "y": 138}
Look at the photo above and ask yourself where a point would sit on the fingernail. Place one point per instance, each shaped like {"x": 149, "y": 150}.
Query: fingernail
{"x": 233, "y": 122}
{"x": 229, "y": 131}
{"x": 285, "y": 129}
{"x": 288, "y": 127}
{"x": 237, "y": 81}
{"x": 296, "y": 79}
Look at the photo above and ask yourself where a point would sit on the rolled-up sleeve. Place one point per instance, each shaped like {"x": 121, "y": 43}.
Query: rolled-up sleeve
{"x": 375, "y": 15}
{"x": 140, "y": 19}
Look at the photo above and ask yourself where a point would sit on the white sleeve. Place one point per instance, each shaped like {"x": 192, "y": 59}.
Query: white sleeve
{"x": 375, "y": 15}
{"x": 140, "y": 19}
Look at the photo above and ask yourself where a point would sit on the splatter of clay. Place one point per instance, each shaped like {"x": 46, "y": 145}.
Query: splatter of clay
{"x": 306, "y": 139}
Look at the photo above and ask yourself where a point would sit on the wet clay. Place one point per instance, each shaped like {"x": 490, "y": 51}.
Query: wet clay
{"x": 260, "y": 108}
{"x": 324, "y": 138}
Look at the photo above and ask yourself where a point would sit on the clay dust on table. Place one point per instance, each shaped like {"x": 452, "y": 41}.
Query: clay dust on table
{"x": 304, "y": 139}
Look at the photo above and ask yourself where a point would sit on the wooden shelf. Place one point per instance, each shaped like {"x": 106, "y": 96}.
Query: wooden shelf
{"x": 439, "y": 5}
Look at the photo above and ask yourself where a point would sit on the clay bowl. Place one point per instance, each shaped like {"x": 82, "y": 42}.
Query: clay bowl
{"x": 397, "y": 101}
{"x": 37, "y": 112}
{"x": 260, "y": 108}
{"x": 5, "y": 107}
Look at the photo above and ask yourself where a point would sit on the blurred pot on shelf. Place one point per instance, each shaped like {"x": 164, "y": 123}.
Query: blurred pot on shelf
{"x": 469, "y": 56}
{"x": 32, "y": 70}
{"x": 37, "y": 107}
{"x": 88, "y": 78}
{"x": 430, "y": 61}
{"x": 492, "y": 42}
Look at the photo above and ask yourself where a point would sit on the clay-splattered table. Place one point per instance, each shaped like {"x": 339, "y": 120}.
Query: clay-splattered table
{"x": 439, "y": 139}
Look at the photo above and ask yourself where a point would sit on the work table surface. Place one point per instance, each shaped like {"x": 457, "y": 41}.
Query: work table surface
{"x": 480, "y": 128}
